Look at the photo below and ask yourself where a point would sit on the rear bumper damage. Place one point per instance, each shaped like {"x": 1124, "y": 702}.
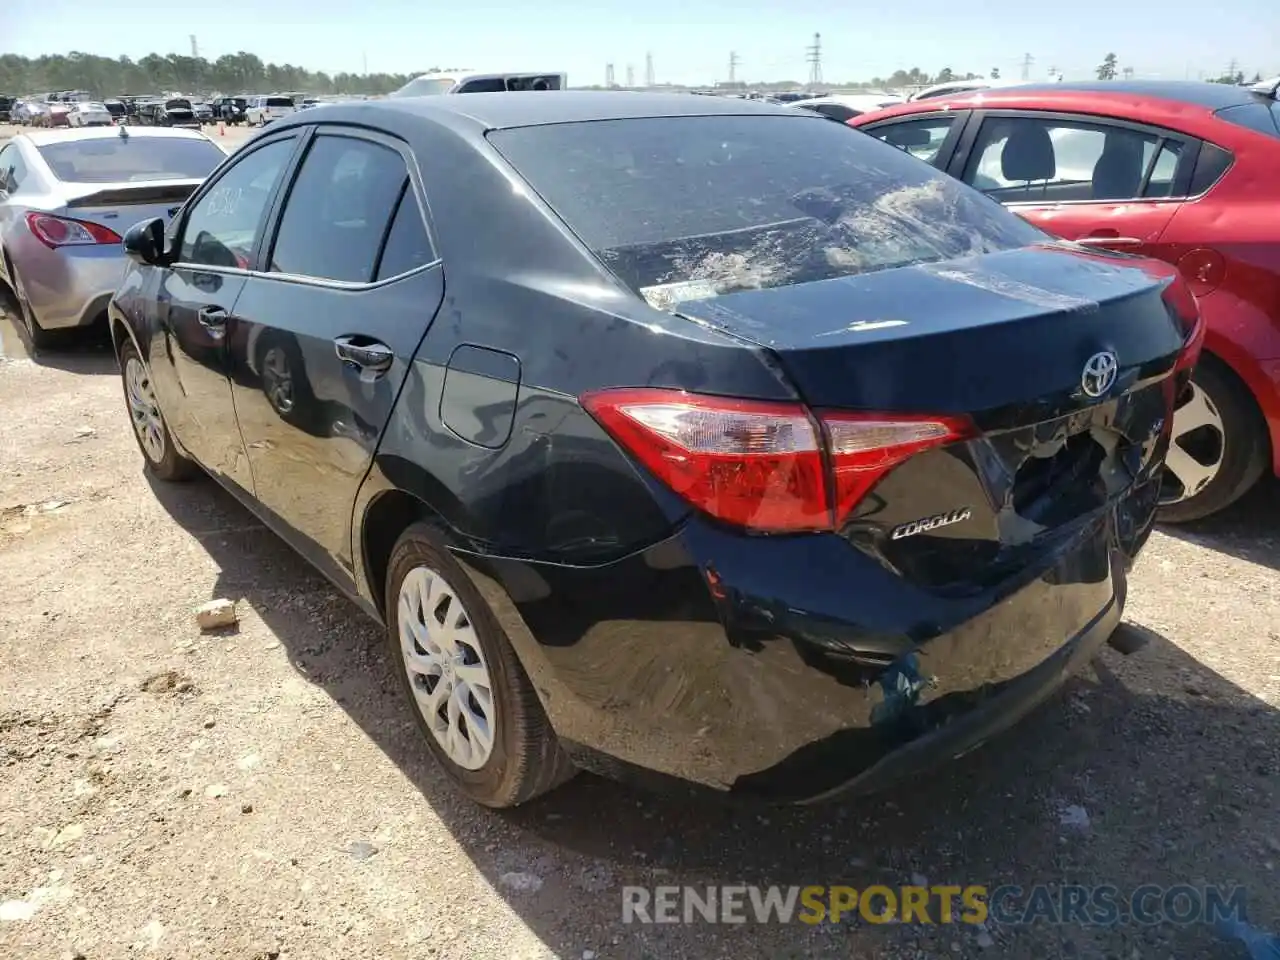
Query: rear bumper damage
{"x": 796, "y": 669}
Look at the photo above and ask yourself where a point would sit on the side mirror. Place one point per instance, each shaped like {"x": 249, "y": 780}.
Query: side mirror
{"x": 144, "y": 242}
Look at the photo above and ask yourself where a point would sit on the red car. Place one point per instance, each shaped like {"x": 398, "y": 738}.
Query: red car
{"x": 1185, "y": 172}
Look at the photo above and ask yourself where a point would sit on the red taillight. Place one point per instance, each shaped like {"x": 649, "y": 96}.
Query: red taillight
{"x": 56, "y": 232}
{"x": 767, "y": 466}
{"x": 1182, "y": 303}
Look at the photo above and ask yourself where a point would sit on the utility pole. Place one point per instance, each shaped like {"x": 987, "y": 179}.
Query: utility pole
{"x": 608, "y": 75}
{"x": 1128, "y": 73}
{"x": 1027, "y": 61}
{"x": 813, "y": 55}
{"x": 195, "y": 58}
{"x": 364, "y": 60}
{"x": 733, "y": 66}
{"x": 648, "y": 70}
{"x": 631, "y": 76}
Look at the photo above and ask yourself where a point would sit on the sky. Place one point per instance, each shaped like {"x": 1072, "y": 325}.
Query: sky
{"x": 690, "y": 40}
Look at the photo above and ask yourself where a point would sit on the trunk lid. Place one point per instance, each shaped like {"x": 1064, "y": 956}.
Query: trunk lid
{"x": 1004, "y": 339}
{"x": 121, "y": 205}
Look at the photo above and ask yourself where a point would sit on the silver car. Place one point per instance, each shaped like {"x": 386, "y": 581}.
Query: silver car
{"x": 67, "y": 196}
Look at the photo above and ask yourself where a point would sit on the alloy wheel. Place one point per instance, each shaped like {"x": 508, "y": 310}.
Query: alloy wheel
{"x": 144, "y": 410}
{"x": 450, "y": 679}
{"x": 1196, "y": 447}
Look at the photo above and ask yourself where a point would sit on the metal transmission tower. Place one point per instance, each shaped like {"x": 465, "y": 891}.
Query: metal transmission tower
{"x": 813, "y": 56}
{"x": 648, "y": 70}
{"x": 1027, "y": 61}
{"x": 608, "y": 75}
{"x": 733, "y": 66}
{"x": 631, "y": 76}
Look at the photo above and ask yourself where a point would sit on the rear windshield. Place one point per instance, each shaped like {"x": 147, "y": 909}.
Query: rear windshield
{"x": 689, "y": 207}
{"x": 1259, "y": 117}
{"x": 115, "y": 159}
{"x": 422, "y": 87}
{"x": 279, "y": 102}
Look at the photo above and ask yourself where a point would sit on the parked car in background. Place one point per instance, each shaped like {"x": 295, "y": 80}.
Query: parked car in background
{"x": 950, "y": 88}
{"x": 203, "y": 112}
{"x": 116, "y": 108}
{"x": 844, "y": 107}
{"x": 262, "y": 110}
{"x": 57, "y": 115}
{"x": 308, "y": 103}
{"x": 6, "y": 108}
{"x": 69, "y": 196}
{"x": 1180, "y": 171}
{"x": 229, "y": 109}
{"x": 170, "y": 112}
{"x": 90, "y": 113}
{"x": 433, "y": 84}
{"x": 23, "y": 112}
{"x": 753, "y": 461}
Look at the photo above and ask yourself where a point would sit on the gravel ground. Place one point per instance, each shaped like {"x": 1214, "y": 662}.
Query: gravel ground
{"x": 263, "y": 793}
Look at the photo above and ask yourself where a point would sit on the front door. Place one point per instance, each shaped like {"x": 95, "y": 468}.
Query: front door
{"x": 195, "y": 305}
{"x": 331, "y": 320}
{"x": 1096, "y": 181}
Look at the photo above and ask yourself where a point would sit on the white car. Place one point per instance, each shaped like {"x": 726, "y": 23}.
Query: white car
{"x": 431, "y": 84}
{"x": 844, "y": 107}
{"x": 262, "y": 110}
{"x": 89, "y": 114}
{"x": 951, "y": 87}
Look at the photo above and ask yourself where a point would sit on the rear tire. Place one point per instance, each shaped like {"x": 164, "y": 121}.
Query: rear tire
{"x": 41, "y": 339}
{"x": 470, "y": 696}
{"x": 1220, "y": 449}
{"x": 149, "y": 427}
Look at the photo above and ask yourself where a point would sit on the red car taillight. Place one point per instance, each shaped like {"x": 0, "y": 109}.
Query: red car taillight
{"x": 1182, "y": 303}
{"x": 56, "y": 232}
{"x": 774, "y": 467}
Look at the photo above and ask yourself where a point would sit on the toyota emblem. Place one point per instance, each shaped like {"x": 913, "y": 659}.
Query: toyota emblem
{"x": 1099, "y": 374}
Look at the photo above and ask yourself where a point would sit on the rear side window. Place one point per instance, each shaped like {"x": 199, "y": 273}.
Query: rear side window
{"x": 338, "y": 210}
{"x": 1212, "y": 163}
{"x": 279, "y": 102}
{"x": 407, "y": 246}
{"x": 700, "y": 206}
{"x": 114, "y": 159}
{"x": 921, "y": 138}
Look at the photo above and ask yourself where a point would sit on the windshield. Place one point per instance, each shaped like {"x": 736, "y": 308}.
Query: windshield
{"x": 422, "y": 87}
{"x": 682, "y": 207}
{"x": 117, "y": 159}
{"x": 1260, "y": 117}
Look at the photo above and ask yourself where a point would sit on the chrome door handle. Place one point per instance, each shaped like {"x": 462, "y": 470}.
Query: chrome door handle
{"x": 370, "y": 357}
{"x": 1110, "y": 241}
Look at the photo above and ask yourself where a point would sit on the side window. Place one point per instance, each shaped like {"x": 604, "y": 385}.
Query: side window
{"x": 338, "y": 210}
{"x": 920, "y": 138}
{"x": 407, "y": 246}
{"x": 485, "y": 85}
{"x": 225, "y": 224}
{"x": 836, "y": 111}
{"x": 1029, "y": 160}
{"x": 13, "y": 169}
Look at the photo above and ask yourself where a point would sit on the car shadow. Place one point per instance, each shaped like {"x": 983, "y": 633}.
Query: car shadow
{"x": 87, "y": 351}
{"x": 1147, "y": 769}
{"x": 1248, "y": 529}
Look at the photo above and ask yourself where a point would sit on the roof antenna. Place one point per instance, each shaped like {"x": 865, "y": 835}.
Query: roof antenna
{"x": 124, "y": 132}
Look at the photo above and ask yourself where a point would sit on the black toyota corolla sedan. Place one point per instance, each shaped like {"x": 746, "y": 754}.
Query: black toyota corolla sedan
{"x": 664, "y": 433}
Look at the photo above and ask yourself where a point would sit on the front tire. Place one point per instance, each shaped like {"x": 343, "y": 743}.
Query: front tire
{"x": 1219, "y": 448}
{"x": 149, "y": 428}
{"x": 471, "y": 698}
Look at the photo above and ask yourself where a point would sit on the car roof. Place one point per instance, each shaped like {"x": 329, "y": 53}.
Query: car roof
{"x": 41, "y": 137}
{"x": 495, "y": 111}
{"x": 1211, "y": 96}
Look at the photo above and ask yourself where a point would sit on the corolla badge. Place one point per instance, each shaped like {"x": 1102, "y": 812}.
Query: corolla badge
{"x": 1100, "y": 374}
{"x": 925, "y": 524}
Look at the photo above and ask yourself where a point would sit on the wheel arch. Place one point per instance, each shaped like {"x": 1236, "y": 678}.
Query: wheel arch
{"x": 1250, "y": 374}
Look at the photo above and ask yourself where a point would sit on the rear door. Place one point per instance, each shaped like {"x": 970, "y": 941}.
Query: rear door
{"x": 195, "y": 299}
{"x": 344, "y": 292}
{"x": 1095, "y": 180}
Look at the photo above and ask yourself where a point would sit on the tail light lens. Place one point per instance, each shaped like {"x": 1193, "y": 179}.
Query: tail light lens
{"x": 56, "y": 232}
{"x": 773, "y": 467}
{"x": 1182, "y": 304}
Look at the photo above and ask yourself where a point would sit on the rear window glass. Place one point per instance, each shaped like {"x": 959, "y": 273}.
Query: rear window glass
{"x": 685, "y": 207}
{"x": 113, "y": 159}
{"x": 279, "y": 102}
{"x": 1258, "y": 117}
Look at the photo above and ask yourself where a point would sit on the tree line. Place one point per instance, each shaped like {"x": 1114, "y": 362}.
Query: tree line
{"x": 231, "y": 73}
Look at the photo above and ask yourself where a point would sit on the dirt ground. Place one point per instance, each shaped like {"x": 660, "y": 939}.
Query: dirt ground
{"x": 263, "y": 793}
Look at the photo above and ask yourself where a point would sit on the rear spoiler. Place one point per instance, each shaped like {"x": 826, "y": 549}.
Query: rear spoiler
{"x": 125, "y": 194}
